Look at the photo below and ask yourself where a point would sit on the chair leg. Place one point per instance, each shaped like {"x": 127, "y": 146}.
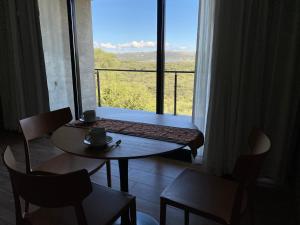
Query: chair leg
{"x": 133, "y": 213}
{"x": 26, "y": 207}
{"x": 251, "y": 211}
{"x": 163, "y": 211}
{"x": 81, "y": 219}
{"x": 108, "y": 173}
{"x": 186, "y": 217}
{"x": 125, "y": 217}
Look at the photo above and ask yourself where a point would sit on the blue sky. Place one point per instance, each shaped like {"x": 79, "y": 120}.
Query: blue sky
{"x": 130, "y": 25}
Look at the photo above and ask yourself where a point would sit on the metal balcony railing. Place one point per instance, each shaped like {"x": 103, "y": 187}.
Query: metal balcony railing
{"x": 175, "y": 72}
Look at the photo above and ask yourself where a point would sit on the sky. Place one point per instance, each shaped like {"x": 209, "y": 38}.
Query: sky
{"x": 130, "y": 25}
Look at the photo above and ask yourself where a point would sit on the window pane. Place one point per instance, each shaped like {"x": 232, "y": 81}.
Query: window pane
{"x": 180, "y": 48}
{"x": 124, "y": 33}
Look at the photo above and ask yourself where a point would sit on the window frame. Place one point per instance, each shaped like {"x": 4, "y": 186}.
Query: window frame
{"x": 160, "y": 57}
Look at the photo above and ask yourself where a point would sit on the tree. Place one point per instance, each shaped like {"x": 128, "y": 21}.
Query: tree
{"x": 105, "y": 60}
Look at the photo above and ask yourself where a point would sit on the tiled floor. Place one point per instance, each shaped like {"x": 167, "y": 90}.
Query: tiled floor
{"x": 147, "y": 179}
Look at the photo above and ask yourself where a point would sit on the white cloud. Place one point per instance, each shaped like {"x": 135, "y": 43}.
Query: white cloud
{"x": 128, "y": 45}
{"x": 183, "y": 47}
{"x": 142, "y": 44}
{"x": 108, "y": 45}
{"x": 96, "y": 44}
{"x": 134, "y": 45}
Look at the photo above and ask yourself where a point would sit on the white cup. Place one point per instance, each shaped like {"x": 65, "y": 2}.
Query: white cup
{"x": 89, "y": 116}
{"x": 96, "y": 136}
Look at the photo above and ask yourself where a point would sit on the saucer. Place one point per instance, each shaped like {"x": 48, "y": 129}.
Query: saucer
{"x": 82, "y": 120}
{"x": 108, "y": 140}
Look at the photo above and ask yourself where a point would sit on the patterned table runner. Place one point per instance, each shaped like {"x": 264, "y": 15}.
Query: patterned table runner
{"x": 191, "y": 137}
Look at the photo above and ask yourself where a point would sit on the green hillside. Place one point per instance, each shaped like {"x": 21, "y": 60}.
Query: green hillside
{"x": 136, "y": 90}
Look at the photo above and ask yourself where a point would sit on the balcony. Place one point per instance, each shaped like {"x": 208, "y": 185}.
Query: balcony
{"x": 178, "y": 88}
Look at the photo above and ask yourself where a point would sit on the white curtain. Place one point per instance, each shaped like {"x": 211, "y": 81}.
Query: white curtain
{"x": 23, "y": 85}
{"x": 253, "y": 81}
{"x": 203, "y": 62}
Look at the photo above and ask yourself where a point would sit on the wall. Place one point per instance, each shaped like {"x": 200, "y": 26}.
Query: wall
{"x": 86, "y": 53}
{"x": 55, "y": 35}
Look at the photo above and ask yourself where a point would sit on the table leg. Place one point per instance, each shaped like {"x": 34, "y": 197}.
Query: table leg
{"x": 123, "y": 168}
{"x": 142, "y": 218}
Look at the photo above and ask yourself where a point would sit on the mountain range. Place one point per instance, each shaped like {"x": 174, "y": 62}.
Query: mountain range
{"x": 170, "y": 56}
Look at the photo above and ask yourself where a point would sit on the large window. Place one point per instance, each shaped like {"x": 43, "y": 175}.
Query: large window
{"x": 144, "y": 54}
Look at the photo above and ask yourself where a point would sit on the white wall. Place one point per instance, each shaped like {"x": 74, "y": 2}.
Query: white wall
{"x": 55, "y": 35}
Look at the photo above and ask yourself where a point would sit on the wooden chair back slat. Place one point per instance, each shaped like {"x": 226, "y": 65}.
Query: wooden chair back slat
{"x": 39, "y": 125}
{"x": 9, "y": 158}
{"x": 248, "y": 166}
{"x": 48, "y": 190}
{"x": 36, "y": 126}
{"x": 258, "y": 142}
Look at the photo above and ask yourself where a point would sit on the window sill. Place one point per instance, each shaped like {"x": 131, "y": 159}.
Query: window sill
{"x": 145, "y": 117}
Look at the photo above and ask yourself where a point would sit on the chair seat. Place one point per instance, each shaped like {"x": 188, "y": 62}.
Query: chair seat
{"x": 66, "y": 163}
{"x": 202, "y": 194}
{"x": 103, "y": 206}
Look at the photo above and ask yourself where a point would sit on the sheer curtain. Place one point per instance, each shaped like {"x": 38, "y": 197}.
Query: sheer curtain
{"x": 203, "y": 62}
{"x": 251, "y": 80}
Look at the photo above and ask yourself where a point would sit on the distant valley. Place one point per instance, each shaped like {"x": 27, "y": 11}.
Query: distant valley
{"x": 137, "y": 90}
{"x": 171, "y": 56}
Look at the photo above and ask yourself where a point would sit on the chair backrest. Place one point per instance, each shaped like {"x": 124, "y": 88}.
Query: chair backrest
{"x": 39, "y": 125}
{"x": 247, "y": 167}
{"x": 36, "y": 126}
{"x": 47, "y": 190}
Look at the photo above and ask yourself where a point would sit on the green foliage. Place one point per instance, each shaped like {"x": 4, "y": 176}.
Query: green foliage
{"x": 105, "y": 59}
{"x": 137, "y": 90}
{"x": 124, "y": 94}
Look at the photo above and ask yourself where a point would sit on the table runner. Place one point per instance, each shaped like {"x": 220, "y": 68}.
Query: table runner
{"x": 187, "y": 136}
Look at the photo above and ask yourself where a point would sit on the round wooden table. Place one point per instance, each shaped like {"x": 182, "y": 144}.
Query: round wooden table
{"x": 70, "y": 140}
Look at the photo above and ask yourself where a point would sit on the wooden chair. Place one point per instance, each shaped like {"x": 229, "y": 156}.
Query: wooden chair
{"x": 248, "y": 166}
{"x": 66, "y": 199}
{"x": 43, "y": 124}
{"x": 217, "y": 198}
